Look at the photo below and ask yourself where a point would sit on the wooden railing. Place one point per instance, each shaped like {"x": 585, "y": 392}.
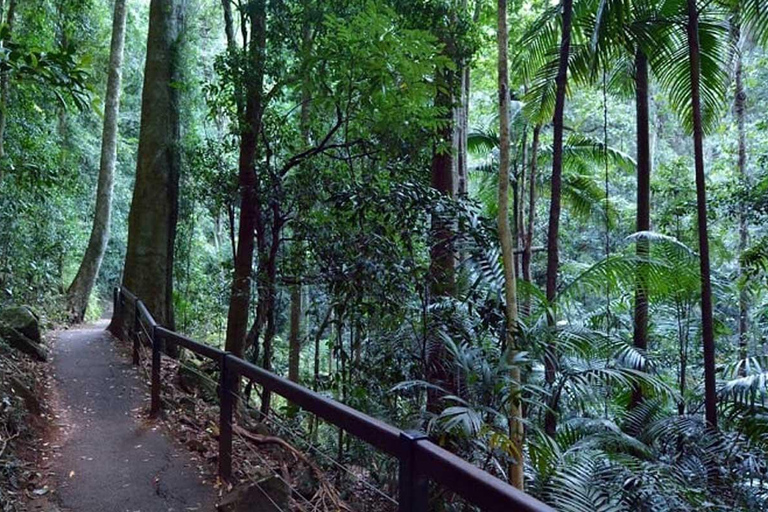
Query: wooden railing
{"x": 420, "y": 460}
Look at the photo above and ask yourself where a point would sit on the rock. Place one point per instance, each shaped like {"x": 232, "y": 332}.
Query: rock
{"x": 22, "y": 343}
{"x": 24, "y": 320}
{"x": 30, "y": 400}
{"x": 194, "y": 380}
{"x": 305, "y": 481}
{"x": 268, "y": 495}
{"x": 256, "y": 426}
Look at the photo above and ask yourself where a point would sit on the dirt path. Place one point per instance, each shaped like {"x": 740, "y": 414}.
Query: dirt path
{"x": 109, "y": 459}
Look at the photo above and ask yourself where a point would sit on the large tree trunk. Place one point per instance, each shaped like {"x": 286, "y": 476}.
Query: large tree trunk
{"x": 5, "y": 83}
{"x": 152, "y": 221}
{"x": 80, "y": 289}
{"x": 442, "y": 257}
{"x": 707, "y": 324}
{"x": 516, "y": 432}
{"x": 240, "y": 298}
{"x": 553, "y": 261}
{"x": 640, "y": 334}
{"x": 741, "y": 114}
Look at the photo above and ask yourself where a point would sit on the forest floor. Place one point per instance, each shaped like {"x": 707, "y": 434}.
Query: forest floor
{"x": 107, "y": 457}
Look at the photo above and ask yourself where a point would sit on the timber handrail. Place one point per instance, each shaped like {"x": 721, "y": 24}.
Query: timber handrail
{"x": 420, "y": 460}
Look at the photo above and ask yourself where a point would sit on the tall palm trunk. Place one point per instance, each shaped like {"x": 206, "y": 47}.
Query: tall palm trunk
{"x": 740, "y": 108}
{"x": 516, "y": 432}
{"x": 80, "y": 289}
{"x": 553, "y": 261}
{"x": 643, "y": 207}
{"x": 237, "y": 317}
{"x": 707, "y": 324}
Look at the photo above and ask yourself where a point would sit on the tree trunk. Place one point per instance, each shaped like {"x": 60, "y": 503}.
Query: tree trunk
{"x": 516, "y": 470}
{"x": 294, "y": 337}
{"x": 80, "y": 289}
{"x": 5, "y": 84}
{"x": 528, "y": 243}
{"x": 154, "y": 210}
{"x": 740, "y": 108}
{"x": 240, "y": 298}
{"x": 553, "y": 262}
{"x": 462, "y": 167}
{"x": 294, "y": 333}
{"x": 268, "y": 296}
{"x": 640, "y": 334}
{"x": 707, "y": 323}
{"x": 442, "y": 257}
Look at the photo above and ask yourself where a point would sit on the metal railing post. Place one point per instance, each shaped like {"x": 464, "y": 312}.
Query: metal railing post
{"x": 156, "y": 342}
{"x": 135, "y": 336}
{"x": 226, "y": 414}
{"x": 413, "y": 486}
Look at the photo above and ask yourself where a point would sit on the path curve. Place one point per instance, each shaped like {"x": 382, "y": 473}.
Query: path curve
{"x": 110, "y": 460}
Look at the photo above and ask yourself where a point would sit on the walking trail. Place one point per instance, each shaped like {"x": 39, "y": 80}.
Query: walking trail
{"x": 110, "y": 459}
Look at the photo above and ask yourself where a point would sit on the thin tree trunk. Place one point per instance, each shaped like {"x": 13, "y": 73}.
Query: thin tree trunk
{"x": 516, "y": 432}
{"x": 553, "y": 262}
{"x": 268, "y": 296}
{"x": 520, "y": 204}
{"x": 640, "y": 334}
{"x": 528, "y": 242}
{"x": 80, "y": 289}
{"x": 237, "y": 317}
{"x": 5, "y": 83}
{"x": 294, "y": 334}
{"x": 740, "y": 107}
{"x": 294, "y": 337}
{"x": 707, "y": 323}
{"x": 154, "y": 210}
{"x": 466, "y": 88}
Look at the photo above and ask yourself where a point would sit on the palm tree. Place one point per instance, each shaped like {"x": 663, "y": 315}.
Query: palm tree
{"x": 516, "y": 471}
{"x": 707, "y": 321}
{"x": 553, "y": 260}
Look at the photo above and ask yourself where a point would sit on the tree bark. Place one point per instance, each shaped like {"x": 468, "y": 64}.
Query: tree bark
{"x": 516, "y": 469}
{"x": 5, "y": 84}
{"x": 640, "y": 334}
{"x": 553, "y": 262}
{"x": 528, "y": 242}
{"x": 741, "y": 121}
{"x": 240, "y": 297}
{"x": 442, "y": 256}
{"x": 294, "y": 337}
{"x": 294, "y": 332}
{"x": 707, "y": 323}
{"x": 80, "y": 289}
{"x": 154, "y": 210}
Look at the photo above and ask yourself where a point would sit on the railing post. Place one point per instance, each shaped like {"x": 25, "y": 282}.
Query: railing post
{"x": 414, "y": 487}
{"x": 226, "y": 410}
{"x": 136, "y": 332}
{"x": 156, "y": 342}
{"x": 115, "y": 303}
